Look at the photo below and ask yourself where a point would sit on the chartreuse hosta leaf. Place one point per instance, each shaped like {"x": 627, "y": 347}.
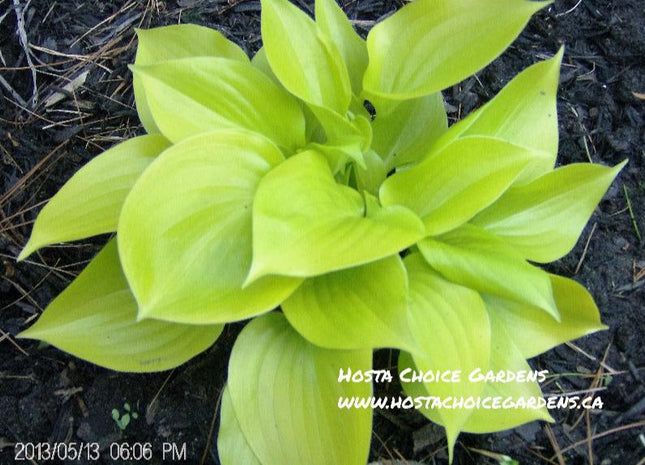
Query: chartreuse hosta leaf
{"x": 344, "y": 139}
{"x": 544, "y": 219}
{"x": 477, "y": 259}
{"x": 415, "y": 52}
{"x": 452, "y": 333}
{"x": 519, "y": 332}
{"x": 310, "y": 61}
{"x": 184, "y": 41}
{"x": 523, "y": 113}
{"x": 232, "y": 446}
{"x": 305, "y": 224}
{"x": 359, "y": 308}
{"x": 172, "y": 42}
{"x": 193, "y": 95}
{"x": 95, "y": 319}
{"x": 331, "y": 20}
{"x": 90, "y": 202}
{"x": 406, "y": 133}
{"x": 372, "y": 176}
{"x": 284, "y": 393}
{"x": 450, "y": 187}
{"x": 260, "y": 62}
{"x": 505, "y": 357}
{"x": 312, "y": 125}
{"x": 346, "y": 130}
{"x": 304, "y": 59}
{"x": 534, "y": 332}
{"x": 185, "y": 231}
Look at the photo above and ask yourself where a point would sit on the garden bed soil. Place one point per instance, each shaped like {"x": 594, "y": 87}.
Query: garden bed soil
{"x": 49, "y": 130}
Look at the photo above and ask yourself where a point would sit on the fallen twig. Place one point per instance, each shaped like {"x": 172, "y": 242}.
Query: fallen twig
{"x": 22, "y": 34}
{"x": 602, "y": 435}
{"x": 584, "y": 251}
{"x": 13, "y": 93}
{"x": 554, "y": 445}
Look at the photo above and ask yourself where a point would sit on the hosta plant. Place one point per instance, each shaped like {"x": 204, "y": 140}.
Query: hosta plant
{"x": 318, "y": 191}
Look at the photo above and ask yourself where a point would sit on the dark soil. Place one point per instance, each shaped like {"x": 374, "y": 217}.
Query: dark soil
{"x": 48, "y": 396}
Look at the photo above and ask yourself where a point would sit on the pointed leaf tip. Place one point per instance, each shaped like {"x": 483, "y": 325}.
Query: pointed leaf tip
{"x": 311, "y": 67}
{"x": 403, "y": 62}
{"x": 95, "y": 319}
{"x": 305, "y": 224}
{"x": 256, "y": 272}
{"x": 474, "y": 258}
{"x": 26, "y": 251}
{"x": 89, "y": 203}
{"x": 363, "y": 307}
{"x": 543, "y": 219}
{"x": 451, "y": 439}
{"x": 210, "y": 218}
